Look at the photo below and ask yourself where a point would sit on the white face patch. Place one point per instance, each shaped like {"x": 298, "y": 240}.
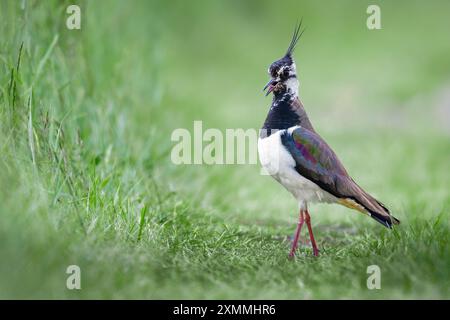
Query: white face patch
{"x": 292, "y": 83}
{"x": 293, "y": 69}
{"x": 292, "y": 86}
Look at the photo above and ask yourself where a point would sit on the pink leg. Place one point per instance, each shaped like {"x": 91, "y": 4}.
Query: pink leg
{"x": 297, "y": 234}
{"x": 311, "y": 235}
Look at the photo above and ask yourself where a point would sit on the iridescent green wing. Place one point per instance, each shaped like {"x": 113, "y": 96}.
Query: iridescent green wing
{"x": 317, "y": 162}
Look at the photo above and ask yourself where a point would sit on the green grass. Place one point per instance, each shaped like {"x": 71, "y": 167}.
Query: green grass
{"x": 85, "y": 171}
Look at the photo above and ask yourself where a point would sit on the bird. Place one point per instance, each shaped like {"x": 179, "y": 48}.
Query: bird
{"x": 294, "y": 154}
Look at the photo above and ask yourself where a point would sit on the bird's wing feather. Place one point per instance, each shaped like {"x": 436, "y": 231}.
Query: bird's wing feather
{"x": 316, "y": 161}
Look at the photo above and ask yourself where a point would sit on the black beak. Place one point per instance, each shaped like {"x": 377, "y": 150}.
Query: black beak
{"x": 270, "y": 86}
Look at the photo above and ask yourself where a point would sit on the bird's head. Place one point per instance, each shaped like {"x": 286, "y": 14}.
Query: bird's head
{"x": 283, "y": 73}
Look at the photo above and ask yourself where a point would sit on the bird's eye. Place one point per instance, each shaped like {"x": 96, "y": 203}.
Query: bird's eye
{"x": 274, "y": 73}
{"x": 285, "y": 72}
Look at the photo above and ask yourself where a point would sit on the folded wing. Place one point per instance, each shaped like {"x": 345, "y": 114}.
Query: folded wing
{"x": 316, "y": 161}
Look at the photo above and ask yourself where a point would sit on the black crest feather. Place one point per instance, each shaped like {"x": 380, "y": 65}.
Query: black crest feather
{"x": 297, "y": 34}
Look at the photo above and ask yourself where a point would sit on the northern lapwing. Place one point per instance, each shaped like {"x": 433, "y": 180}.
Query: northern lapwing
{"x": 293, "y": 153}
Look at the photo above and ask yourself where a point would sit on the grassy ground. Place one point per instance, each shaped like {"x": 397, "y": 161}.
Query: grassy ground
{"x": 85, "y": 171}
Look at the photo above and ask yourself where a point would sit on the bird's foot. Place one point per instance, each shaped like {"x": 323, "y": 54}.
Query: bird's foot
{"x": 316, "y": 252}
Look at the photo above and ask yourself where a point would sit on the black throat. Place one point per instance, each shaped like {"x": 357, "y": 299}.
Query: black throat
{"x": 286, "y": 111}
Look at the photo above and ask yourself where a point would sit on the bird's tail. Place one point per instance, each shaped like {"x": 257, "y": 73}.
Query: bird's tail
{"x": 386, "y": 220}
{"x": 364, "y": 202}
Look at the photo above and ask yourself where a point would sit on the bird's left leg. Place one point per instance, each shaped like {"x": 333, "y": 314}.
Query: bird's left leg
{"x": 311, "y": 235}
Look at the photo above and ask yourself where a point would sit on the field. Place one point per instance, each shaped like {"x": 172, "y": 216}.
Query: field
{"x": 86, "y": 176}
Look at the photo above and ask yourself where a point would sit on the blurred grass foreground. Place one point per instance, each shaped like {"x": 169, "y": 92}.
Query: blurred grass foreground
{"x": 85, "y": 173}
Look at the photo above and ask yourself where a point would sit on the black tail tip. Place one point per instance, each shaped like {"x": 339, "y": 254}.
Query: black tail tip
{"x": 387, "y": 221}
{"x": 395, "y": 220}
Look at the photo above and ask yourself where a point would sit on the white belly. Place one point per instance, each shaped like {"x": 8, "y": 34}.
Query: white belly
{"x": 279, "y": 163}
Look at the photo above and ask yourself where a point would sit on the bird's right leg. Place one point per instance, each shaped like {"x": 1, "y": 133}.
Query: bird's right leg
{"x": 311, "y": 235}
{"x": 301, "y": 220}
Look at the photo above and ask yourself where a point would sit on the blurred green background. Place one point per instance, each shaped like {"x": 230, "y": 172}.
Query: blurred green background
{"x": 85, "y": 173}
